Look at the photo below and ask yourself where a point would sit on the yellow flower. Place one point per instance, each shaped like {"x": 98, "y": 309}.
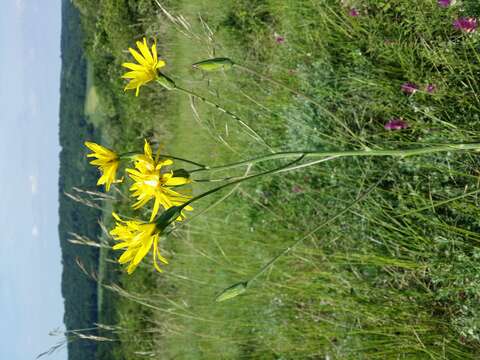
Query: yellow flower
{"x": 153, "y": 182}
{"x": 146, "y": 69}
{"x": 137, "y": 238}
{"x": 106, "y": 160}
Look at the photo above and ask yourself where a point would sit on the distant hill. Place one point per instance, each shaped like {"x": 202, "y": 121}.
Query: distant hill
{"x": 79, "y": 292}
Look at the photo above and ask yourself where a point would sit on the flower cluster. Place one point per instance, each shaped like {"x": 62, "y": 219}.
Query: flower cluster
{"x": 152, "y": 180}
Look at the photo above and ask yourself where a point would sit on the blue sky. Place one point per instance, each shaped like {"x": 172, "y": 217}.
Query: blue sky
{"x": 31, "y": 304}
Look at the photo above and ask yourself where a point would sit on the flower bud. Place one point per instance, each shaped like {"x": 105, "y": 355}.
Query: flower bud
{"x": 215, "y": 64}
{"x": 166, "y": 82}
{"x": 169, "y": 216}
{"x": 181, "y": 173}
{"x": 232, "y": 291}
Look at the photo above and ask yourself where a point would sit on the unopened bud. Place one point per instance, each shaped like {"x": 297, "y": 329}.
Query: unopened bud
{"x": 215, "y": 64}
{"x": 168, "y": 216}
{"x": 181, "y": 173}
{"x": 232, "y": 291}
{"x": 166, "y": 82}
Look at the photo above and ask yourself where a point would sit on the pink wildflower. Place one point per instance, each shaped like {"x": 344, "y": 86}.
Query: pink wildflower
{"x": 353, "y": 12}
{"x": 431, "y": 88}
{"x": 396, "y": 124}
{"x": 409, "y": 88}
{"x": 297, "y": 189}
{"x": 468, "y": 25}
{"x": 444, "y": 3}
{"x": 279, "y": 39}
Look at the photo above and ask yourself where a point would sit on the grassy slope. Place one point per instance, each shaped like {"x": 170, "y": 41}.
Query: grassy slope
{"x": 376, "y": 282}
{"x": 396, "y": 276}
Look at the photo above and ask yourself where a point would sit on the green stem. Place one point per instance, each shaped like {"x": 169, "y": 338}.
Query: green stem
{"x": 353, "y": 153}
{"x": 253, "y": 133}
{"x": 176, "y": 210}
{"x": 230, "y": 178}
{"x": 277, "y": 169}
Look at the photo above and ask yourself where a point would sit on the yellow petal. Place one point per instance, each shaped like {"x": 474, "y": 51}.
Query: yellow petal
{"x": 142, "y": 252}
{"x": 177, "y": 181}
{"x": 138, "y": 57}
{"x": 160, "y": 64}
{"x": 117, "y": 217}
{"x": 121, "y": 245}
{"x": 133, "y": 66}
{"x": 137, "y": 74}
{"x": 156, "y": 207}
{"x": 145, "y": 51}
{"x": 127, "y": 256}
{"x": 148, "y": 150}
{"x": 166, "y": 162}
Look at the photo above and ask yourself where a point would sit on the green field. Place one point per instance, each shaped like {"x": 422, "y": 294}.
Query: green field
{"x": 395, "y": 277}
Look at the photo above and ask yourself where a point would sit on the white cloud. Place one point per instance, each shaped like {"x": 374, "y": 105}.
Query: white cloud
{"x": 33, "y": 184}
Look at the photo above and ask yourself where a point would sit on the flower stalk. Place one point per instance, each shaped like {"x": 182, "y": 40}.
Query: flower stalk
{"x": 168, "y": 219}
{"x": 299, "y": 156}
{"x": 351, "y": 153}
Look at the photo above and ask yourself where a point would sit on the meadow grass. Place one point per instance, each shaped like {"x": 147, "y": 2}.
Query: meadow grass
{"x": 394, "y": 278}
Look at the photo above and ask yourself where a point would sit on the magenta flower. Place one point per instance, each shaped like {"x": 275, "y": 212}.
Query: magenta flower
{"x": 431, "y": 88}
{"x": 444, "y": 3}
{"x": 409, "y": 88}
{"x": 353, "y": 12}
{"x": 297, "y": 189}
{"x": 396, "y": 124}
{"x": 468, "y": 25}
{"x": 279, "y": 39}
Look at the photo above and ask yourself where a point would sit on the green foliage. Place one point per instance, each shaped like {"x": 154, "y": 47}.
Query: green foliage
{"x": 457, "y": 283}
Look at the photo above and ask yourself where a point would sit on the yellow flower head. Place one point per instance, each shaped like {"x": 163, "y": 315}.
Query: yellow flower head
{"x": 152, "y": 182}
{"x": 146, "y": 69}
{"x": 137, "y": 238}
{"x": 106, "y": 160}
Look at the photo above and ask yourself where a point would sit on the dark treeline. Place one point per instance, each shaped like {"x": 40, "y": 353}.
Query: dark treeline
{"x": 79, "y": 292}
{"x": 100, "y": 31}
